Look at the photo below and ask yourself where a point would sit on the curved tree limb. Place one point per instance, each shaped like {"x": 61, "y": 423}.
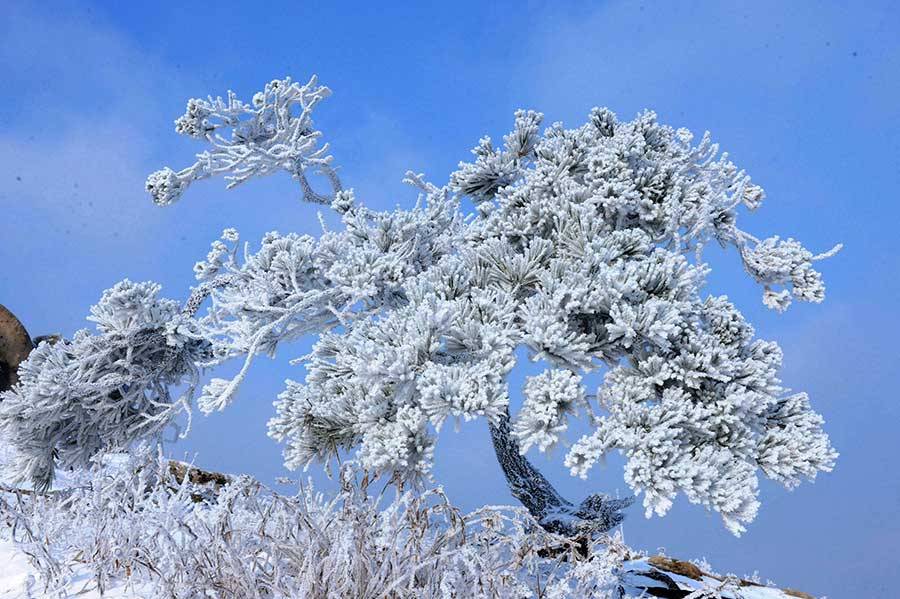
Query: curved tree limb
{"x": 597, "y": 513}
{"x": 201, "y": 292}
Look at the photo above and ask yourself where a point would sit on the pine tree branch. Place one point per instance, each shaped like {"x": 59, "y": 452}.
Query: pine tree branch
{"x": 596, "y": 514}
{"x": 201, "y": 292}
{"x": 16, "y": 345}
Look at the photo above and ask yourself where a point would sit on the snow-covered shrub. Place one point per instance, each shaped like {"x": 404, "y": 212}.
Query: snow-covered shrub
{"x": 78, "y": 397}
{"x": 135, "y": 524}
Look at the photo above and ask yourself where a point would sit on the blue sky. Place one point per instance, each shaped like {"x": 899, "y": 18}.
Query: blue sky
{"x": 805, "y": 97}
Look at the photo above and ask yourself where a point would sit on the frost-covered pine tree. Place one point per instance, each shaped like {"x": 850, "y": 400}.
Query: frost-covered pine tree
{"x": 584, "y": 246}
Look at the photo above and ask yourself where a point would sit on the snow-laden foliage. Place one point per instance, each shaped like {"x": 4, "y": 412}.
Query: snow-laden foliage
{"x": 105, "y": 389}
{"x": 549, "y": 398}
{"x": 138, "y": 525}
{"x": 584, "y": 247}
{"x": 272, "y": 133}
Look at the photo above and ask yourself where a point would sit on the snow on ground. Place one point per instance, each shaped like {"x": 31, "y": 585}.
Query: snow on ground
{"x": 14, "y": 572}
{"x": 17, "y": 581}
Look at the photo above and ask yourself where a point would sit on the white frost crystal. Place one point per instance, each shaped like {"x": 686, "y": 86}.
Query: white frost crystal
{"x": 273, "y": 133}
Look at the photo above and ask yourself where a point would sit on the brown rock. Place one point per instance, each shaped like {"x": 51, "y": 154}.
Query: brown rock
{"x": 689, "y": 570}
{"x": 15, "y": 345}
{"x": 676, "y": 566}
{"x": 180, "y": 471}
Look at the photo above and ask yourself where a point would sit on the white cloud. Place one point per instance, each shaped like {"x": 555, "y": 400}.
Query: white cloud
{"x": 74, "y": 154}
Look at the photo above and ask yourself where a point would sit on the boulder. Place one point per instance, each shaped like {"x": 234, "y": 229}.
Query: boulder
{"x": 15, "y": 345}
{"x": 669, "y": 578}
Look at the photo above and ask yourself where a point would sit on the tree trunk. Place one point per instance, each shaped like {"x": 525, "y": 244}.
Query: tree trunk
{"x": 596, "y": 514}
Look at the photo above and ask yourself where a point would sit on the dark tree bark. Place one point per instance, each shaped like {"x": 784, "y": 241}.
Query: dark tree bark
{"x": 596, "y": 514}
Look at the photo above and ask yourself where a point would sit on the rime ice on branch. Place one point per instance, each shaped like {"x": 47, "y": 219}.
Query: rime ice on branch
{"x": 272, "y": 133}
{"x": 105, "y": 390}
{"x": 585, "y": 248}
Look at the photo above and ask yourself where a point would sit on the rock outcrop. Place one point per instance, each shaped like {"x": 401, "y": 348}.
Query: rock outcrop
{"x": 670, "y": 578}
{"x": 15, "y": 345}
